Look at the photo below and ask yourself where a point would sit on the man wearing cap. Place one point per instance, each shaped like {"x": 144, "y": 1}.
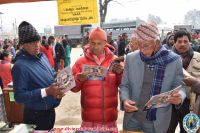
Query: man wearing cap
{"x": 149, "y": 71}
{"x": 99, "y": 97}
{"x": 33, "y": 80}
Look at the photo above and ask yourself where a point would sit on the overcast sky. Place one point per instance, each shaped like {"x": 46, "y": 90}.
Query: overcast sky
{"x": 41, "y": 14}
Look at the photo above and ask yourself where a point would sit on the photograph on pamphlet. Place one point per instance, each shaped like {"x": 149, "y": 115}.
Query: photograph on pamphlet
{"x": 160, "y": 100}
{"x": 95, "y": 72}
{"x": 65, "y": 79}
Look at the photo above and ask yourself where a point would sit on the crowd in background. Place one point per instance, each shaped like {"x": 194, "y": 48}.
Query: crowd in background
{"x": 58, "y": 49}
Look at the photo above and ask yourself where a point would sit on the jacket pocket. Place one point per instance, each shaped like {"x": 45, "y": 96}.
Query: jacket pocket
{"x": 196, "y": 64}
{"x": 196, "y": 74}
{"x": 196, "y": 68}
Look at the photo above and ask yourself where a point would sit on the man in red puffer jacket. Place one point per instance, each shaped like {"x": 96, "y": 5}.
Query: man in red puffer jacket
{"x": 99, "y": 97}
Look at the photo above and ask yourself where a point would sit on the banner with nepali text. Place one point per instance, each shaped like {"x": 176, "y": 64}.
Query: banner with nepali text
{"x": 76, "y": 12}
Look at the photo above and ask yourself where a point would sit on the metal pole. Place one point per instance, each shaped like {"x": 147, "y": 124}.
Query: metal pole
{"x": 1, "y": 24}
{"x": 16, "y": 28}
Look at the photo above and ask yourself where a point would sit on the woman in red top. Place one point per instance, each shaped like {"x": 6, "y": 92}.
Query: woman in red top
{"x": 48, "y": 51}
{"x": 5, "y": 68}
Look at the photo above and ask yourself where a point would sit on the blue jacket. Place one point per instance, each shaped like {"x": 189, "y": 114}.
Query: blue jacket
{"x": 30, "y": 75}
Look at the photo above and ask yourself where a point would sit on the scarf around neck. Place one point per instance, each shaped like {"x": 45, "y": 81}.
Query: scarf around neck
{"x": 158, "y": 63}
{"x": 186, "y": 57}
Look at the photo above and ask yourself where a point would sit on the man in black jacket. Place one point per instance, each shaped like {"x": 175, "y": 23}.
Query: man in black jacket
{"x": 122, "y": 44}
{"x": 34, "y": 81}
{"x": 59, "y": 54}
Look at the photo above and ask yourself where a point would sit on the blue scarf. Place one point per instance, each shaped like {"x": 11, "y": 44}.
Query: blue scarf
{"x": 158, "y": 63}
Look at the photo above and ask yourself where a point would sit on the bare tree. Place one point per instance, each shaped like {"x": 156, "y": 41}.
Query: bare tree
{"x": 103, "y": 8}
{"x": 193, "y": 17}
{"x": 103, "y": 5}
{"x": 157, "y": 19}
{"x": 139, "y": 21}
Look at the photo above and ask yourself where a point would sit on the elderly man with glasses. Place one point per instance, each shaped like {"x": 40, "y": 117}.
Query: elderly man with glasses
{"x": 149, "y": 71}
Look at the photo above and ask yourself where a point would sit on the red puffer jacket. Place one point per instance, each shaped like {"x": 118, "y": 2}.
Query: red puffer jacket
{"x": 99, "y": 98}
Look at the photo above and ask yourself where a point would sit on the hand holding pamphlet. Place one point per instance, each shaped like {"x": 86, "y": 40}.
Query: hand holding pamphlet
{"x": 95, "y": 72}
{"x": 160, "y": 100}
{"x": 65, "y": 79}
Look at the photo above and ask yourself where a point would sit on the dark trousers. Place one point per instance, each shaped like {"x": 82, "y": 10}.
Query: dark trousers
{"x": 44, "y": 120}
{"x": 57, "y": 65}
{"x": 177, "y": 117}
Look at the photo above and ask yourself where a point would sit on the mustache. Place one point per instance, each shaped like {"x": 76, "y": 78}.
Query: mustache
{"x": 182, "y": 47}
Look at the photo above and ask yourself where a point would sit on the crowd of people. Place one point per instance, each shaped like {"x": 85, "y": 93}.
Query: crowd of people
{"x": 142, "y": 67}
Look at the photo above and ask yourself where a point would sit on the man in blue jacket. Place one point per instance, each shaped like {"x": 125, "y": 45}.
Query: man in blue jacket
{"x": 33, "y": 80}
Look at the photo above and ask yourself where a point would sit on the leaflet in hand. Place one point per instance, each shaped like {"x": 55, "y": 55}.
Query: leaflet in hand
{"x": 95, "y": 72}
{"x": 65, "y": 79}
{"x": 160, "y": 100}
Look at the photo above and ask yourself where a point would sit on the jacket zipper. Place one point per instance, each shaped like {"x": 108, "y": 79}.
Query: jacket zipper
{"x": 102, "y": 83}
{"x": 45, "y": 104}
{"x": 103, "y": 93}
{"x": 50, "y": 74}
{"x": 102, "y": 103}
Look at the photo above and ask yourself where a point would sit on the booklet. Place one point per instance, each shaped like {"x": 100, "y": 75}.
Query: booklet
{"x": 95, "y": 72}
{"x": 65, "y": 79}
{"x": 160, "y": 100}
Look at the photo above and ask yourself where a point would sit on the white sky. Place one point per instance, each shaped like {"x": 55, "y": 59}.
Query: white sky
{"x": 41, "y": 14}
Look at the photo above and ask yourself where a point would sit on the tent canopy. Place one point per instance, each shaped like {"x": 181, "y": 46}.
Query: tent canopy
{"x": 19, "y": 1}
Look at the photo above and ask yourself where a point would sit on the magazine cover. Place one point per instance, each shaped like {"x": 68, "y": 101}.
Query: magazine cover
{"x": 65, "y": 79}
{"x": 95, "y": 72}
{"x": 160, "y": 100}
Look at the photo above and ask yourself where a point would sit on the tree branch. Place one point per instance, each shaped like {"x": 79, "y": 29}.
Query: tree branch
{"x": 130, "y": 1}
{"x": 117, "y": 2}
{"x": 108, "y": 1}
{"x": 103, "y": 4}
